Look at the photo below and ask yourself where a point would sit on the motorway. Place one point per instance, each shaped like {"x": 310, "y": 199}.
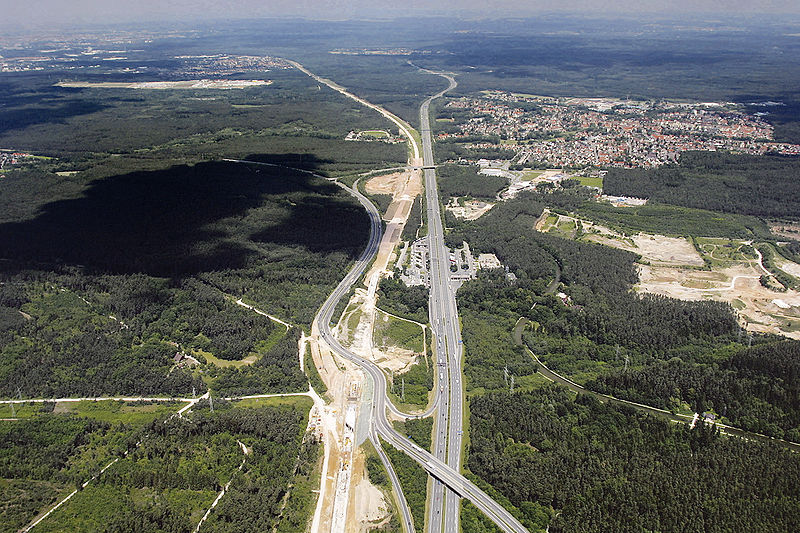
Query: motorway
{"x": 379, "y": 423}
{"x": 443, "y": 316}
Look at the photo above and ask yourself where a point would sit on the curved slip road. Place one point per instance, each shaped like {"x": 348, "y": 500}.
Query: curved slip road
{"x": 379, "y": 424}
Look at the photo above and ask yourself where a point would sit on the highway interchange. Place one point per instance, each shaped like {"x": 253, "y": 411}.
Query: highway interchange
{"x": 444, "y": 464}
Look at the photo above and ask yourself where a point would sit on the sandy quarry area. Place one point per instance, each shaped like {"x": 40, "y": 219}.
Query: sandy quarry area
{"x": 658, "y": 249}
{"x": 671, "y": 266}
{"x": 786, "y": 229}
{"x": 762, "y": 309}
{"x": 789, "y": 267}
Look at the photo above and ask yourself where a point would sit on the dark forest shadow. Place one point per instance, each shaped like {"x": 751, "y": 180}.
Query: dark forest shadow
{"x": 187, "y": 219}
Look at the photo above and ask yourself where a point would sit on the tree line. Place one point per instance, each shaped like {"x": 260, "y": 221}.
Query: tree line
{"x": 763, "y": 186}
{"x": 574, "y": 464}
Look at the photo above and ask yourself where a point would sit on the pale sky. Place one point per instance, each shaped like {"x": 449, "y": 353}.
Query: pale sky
{"x": 42, "y": 13}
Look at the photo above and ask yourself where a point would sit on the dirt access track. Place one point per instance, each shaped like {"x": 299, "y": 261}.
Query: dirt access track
{"x": 404, "y": 187}
{"x": 763, "y": 310}
{"x": 672, "y": 266}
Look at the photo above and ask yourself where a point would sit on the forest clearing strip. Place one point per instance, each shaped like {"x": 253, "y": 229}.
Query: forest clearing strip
{"x": 224, "y": 489}
{"x": 674, "y": 417}
{"x": 102, "y": 470}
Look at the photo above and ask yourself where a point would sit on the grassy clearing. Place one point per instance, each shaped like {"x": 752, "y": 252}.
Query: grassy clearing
{"x": 378, "y": 134}
{"x": 222, "y": 363}
{"x": 591, "y": 182}
{"x": 300, "y": 402}
{"x": 411, "y": 390}
{"x": 564, "y": 228}
{"x": 22, "y": 410}
{"x": 531, "y": 174}
{"x": 723, "y": 252}
{"x": 261, "y": 347}
{"x": 392, "y": 331}
{"x": 674, "y": 221}
{"x": 132, "y": 413}
{"x": 135, "y": 413}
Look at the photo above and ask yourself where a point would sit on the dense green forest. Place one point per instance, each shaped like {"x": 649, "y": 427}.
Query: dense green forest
{"x": 675, "y": 220}
{"x": 580, "y": 465}
{"x": 388, "y": 81}
{"x": 53, "y": 344}
{"x": 276, "y": 370}
{"x": 109, "y": 131}
{"x": 153, "y": 287}
{"x": 681, "y": 356}
{"x": 763, "y": 186}
{"x": 757, "y": 389}
{"x": 459, "y": 180}
{"x": 173, "y": 475}
{"x": 47, "y": 455}
{"x": 408, "y": 302}
{"x": 413, "y": 478}
{"x": 149, "y": 245}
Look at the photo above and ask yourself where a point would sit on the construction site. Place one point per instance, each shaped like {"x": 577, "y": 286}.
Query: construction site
{"x": 348, "y": 502}
{"x": 700, "y": 268}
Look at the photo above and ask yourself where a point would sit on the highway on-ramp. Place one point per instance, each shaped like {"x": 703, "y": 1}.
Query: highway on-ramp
{"x": 379, "y": 423}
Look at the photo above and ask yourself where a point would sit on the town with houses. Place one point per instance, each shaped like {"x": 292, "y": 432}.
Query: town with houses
{"x": 10, "y": 159}
{"x": 606, "y": 132}
{"x": 123, "y": 53}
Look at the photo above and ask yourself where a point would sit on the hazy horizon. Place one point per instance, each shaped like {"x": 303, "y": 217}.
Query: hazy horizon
{"x": 46, "y": 14}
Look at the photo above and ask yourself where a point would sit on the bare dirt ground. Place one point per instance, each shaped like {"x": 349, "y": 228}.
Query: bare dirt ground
{"x": 471, "y": 210}
{"x": 789, "y": 267}
{"x": 542, "y": 219}
{"x": 338, "y": 375}
{"x": 760, "y": 308}
{"x": 653, "y": 248}
{"x": 368, "y": 505}
{"x": 386, "y": 184}
{"x": 395, "y": 359}
{"x": 787, "y": 230}
{"x": 404, "y": 188}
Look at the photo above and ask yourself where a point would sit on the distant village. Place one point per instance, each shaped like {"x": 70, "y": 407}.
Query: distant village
{"x": 122, "y": 56}
{"x": 603, "y": 132}
{"x": 10, "y": 159}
